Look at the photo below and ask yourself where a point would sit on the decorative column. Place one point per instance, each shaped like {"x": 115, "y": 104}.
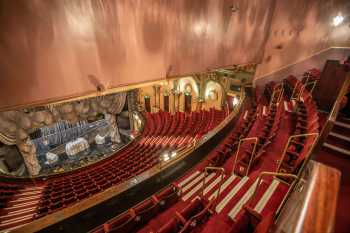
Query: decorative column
{"x": 166, "y": 101}
{"x": 147, "y": 103}
{"x": 156, "y": 93}
{"x": 199, "y": 104}
{"x": 173, "y": 92}
{"x": 178, "y": 94}
{"x": 158, "y": 90}
{"x": 133, "y": 102}
{"x": 155, "y": 96}
{"x": 188, "y": 102}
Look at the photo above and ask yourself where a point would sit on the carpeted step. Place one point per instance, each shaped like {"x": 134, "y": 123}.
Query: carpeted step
{"x": 342, "y": 124}
{"x": 188, "y": 178}
{"x": 338, "y": 140}
{"x": 226, "y": 186}
{"x": 337, "y": 149}
{"x": 343, "y": 119}
{"x": 198, "y": 187}
{"x": 248, "y": 193}
{"x": 340, "y": 130}
{"x": 238, "y": 197}
{"x": 197, "y": 179}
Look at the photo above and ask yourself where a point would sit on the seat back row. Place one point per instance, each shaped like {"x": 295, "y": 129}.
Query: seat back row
{"x": 248, "y": 157}
{"x": 226, "y": 149}
{"x": 139, "y": 215}
{"x": 194, "y": 214}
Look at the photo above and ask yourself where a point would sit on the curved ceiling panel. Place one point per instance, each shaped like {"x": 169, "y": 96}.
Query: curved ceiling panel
{"x": 50, "y": 50}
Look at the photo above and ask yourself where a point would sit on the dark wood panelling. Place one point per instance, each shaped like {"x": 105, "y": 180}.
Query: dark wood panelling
{"x": 311, "y": 207}
{"x": 148, "y": 104}
{"x": 188, "y": 102}
{"x": 166, "y": 103}
{"x": 331, "y": 81}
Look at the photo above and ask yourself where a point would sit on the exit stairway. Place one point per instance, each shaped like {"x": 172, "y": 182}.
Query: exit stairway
{"x": 338, "y": 139}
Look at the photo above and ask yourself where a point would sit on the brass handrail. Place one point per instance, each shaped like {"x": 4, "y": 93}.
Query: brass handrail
{"x": 300, "y": 86}
{"x": 323, "y": 134}
{"x": 278, "y": 91}
{"x": 222, "y": 172}
{"x": 332, "y": 116}
{"x": 290, "y": 140}
{"x": 251, "y": 157}
{"x": 313, "y": 83}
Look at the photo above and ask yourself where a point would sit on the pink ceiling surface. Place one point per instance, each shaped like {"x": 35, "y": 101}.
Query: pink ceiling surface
{"x": 302, "y": 28}
{"x": 55, "y": 49}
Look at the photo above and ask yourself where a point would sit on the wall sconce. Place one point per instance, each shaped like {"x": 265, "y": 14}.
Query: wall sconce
{"x": 235, "y": 101}
{"x": 166, "y": 157}
{"x": 173, "y": 154}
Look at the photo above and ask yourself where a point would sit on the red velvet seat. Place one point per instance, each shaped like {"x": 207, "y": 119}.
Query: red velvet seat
{"x": 168, "y": 197}
{"x": 199, "y": 218}
{"x": 192, "y": 209}
{"x": 146, "y": 210}
{"x": 218, "y": 160}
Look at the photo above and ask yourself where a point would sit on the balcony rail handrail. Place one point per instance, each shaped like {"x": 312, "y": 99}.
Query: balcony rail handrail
{"x": 255, "y": 139}
{"x": 221, "y": 172}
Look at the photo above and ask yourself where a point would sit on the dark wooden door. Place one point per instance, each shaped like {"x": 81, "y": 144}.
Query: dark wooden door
{"x": 166, "y": 103}
{"x": 188, "y": 103}
{"x": 331, "y": 80}
{"x": 148, "y": 104}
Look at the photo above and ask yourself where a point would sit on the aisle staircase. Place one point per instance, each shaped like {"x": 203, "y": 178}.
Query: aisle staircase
{"x": 235, "y": 191}
{"x": 338, "y": 139}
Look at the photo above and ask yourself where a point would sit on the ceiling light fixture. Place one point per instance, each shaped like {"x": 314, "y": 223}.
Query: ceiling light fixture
{"x": 337, "y": 20}
{"x": 235, "y": 101}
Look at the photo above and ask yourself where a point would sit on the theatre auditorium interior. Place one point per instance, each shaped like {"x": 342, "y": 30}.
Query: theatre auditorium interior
{"x": 154, "y": 116}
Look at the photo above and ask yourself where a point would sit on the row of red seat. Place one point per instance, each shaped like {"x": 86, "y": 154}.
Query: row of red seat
{"x": 306, "y": 119}
{"x": 163, "y": 123}
{"x": 311, "y": 75}
{"x": 181, "y": 128}
{"x": 264, "y": 138}
{"x": 195, "y": 213}
{"x": 225, "y": 150}
{"x": 306, "y": 122}
{"x": 199, "y": 210}
{"x": 291, "y": 82}
{"x": 61, "y": 191}
{"x": 139, "y": 215}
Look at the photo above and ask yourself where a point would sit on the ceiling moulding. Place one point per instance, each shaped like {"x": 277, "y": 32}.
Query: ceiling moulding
{"x": 107, "y": 91}
{"x": 56, "y": 101}
{"x": 297, "y": 62}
